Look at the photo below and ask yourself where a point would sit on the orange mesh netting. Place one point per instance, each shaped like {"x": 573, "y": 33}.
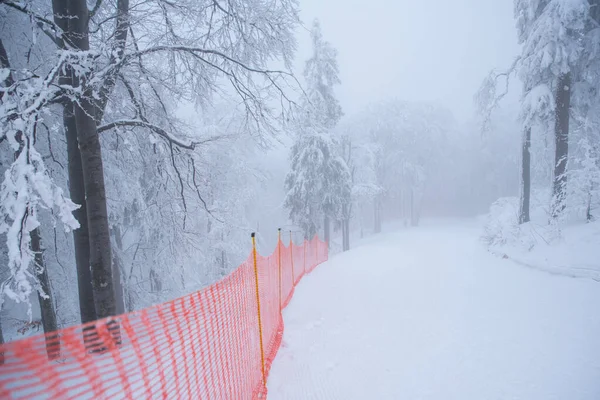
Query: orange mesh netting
{"x": 206, "y": 345}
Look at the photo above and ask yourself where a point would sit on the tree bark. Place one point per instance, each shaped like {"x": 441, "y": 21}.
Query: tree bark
{"x": 596, "y": 153}
{"x": 47, "y": 310}
{"x": 81, "y": 242}
{"x": 3, "y": 62}
{"x": 589, "y": 217}
{"x": 93, "y": 172}
{"x": 346, "y": 234}
{"x": 81, "y": 236}
{"x": 525, "y": 178}
{"x": 561, "y": 137}
{"x": 594, "y": 10}
{"x": 118, "y": 271}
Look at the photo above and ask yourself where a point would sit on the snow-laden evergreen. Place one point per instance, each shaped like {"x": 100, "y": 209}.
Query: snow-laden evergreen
{"x": 318, "y": 186}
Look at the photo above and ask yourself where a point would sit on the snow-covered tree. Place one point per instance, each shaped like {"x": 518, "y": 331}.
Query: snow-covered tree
{"x": 321, "y": 75}
{"x": 121, "y": 70}
{"x": 27, "y": 187}
{"x": 409, "y": 140}
{"x": 551, "y": 33}
{"x": 585, "y": 170}
{"x": 559, "y": 41}
{"x": 319, "y": 183}
{"x": 359, "y": 154}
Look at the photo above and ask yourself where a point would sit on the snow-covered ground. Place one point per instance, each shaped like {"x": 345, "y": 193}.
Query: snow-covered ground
{"x": 575, "y": 253}
{"x": 428, "y": 313}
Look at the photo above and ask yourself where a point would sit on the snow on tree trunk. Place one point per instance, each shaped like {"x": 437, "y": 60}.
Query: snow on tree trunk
{"x": 118, "y": 270}
{"x": 45, "y": 297}
{"x": 525, "y": 177}
{"x": 561, "y": 137}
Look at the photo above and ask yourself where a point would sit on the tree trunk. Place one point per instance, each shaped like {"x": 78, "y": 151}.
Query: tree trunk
{"x": 525, "y": 178}
{"x": 346, "y": 234}
{"x": 414, "y": 216}
{"x": 93, "y": 173}
{"x": 401, "y": 204}
{"x": 81, "y": 242}
{"x": 343, "y": 235}
{"x": 47, "y": 310}
{"x": 588, "y": 212}
{"x": 561, "y": 137}
{"x": 593, "y": 182}
{"x": 346, "y": 227}
{"x": 81, "y": 236}
{"x": 327, "y": 230}
{"x": 595, "y": 10}
{"x": 118, "y": 271}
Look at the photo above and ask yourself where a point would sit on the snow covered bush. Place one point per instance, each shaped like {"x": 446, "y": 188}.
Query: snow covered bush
{"x": 502, "y": 227}
{"x": 501, "y": 223}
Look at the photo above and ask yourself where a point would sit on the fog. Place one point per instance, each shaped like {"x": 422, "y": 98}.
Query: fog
{"x": 437, "y": 51}
{"x": 144, "y": 146}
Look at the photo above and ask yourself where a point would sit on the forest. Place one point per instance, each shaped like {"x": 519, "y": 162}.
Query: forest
{"x": 141, "y": 141}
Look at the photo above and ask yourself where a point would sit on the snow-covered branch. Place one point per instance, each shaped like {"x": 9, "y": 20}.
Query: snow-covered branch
{"x": 190, "y": 145}
{"x": 487, "y": 98}
{"x": 27, "y": 186}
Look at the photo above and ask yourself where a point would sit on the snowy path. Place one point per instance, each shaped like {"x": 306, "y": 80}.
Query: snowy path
{"x": 429, "y": 314}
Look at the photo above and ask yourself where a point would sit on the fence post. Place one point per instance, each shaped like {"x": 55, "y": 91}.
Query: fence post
{"x": 260, "y": 332}
{"x": 292, "y": 257}
{"x": 279, "y": 259}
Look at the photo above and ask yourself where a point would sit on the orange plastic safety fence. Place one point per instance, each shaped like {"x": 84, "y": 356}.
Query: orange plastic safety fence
{"x": 205, "y": 345}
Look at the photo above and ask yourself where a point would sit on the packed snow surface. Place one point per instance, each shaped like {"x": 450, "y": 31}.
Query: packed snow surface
{"x": 428, "y": 313}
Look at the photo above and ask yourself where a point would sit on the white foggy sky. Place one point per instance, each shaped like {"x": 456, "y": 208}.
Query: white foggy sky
{"x": 422, "y": 50}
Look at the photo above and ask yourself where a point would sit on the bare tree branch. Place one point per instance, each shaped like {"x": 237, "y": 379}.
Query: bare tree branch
{"x": 94, "y": 10}
{"x": 156, "y": 129}
{"x": 159, "y": 131}
{"x": 487, "y": 99}
{"x": 198, "y": 192}
{"x": 199, "y": 50}
{"x": 116, "y": 55}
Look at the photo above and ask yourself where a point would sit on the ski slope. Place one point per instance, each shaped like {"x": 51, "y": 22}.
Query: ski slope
{"x": 427, "y": 313}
